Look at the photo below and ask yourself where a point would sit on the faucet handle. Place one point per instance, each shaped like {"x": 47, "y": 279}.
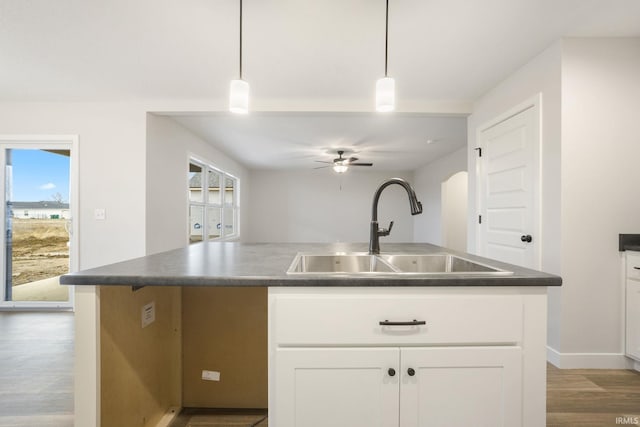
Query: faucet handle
{"x": 386, "y": 231}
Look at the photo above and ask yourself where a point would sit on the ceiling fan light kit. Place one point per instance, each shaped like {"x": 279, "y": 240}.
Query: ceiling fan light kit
{"x": 340, "y": 168}
{"x": 239, "y": 89}
{"x": 341, "y": 164}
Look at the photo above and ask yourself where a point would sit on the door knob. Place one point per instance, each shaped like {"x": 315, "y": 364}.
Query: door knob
{"x": 391, "y": 372}
{"x": 526, "y": 238}
{"x": 411, "y": 372}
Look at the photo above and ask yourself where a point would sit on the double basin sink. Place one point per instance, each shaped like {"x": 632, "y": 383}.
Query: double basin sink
{"x": 389, "y": 264}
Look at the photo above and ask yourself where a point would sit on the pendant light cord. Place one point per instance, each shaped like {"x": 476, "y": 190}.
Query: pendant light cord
{"x": 241, "y": 39}
{"x": 386, "y": 39}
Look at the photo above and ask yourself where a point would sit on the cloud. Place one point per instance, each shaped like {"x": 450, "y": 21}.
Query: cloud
{"x": 47, "y": 186}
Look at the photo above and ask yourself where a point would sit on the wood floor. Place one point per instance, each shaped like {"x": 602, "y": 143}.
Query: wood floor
{"x": 592, "y": 397}
{"x": 36, "y": 383}
{"x": 36, "y": 369}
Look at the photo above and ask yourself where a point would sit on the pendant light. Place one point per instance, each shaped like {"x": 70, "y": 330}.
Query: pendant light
{"x": 386, "y": 86}
{"x": 239, "y": 89}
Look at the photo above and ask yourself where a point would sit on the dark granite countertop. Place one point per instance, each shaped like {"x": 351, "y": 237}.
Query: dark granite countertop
{"x": 265, "y": 264}
{"x": 628, "y": 242}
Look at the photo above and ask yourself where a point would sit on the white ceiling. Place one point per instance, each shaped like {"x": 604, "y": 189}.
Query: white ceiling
{"x": 294, "y": 51}
{"x": 296, "y": 140}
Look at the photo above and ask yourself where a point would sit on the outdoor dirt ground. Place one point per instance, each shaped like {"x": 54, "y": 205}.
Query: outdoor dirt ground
{"x": 39, "y": 249}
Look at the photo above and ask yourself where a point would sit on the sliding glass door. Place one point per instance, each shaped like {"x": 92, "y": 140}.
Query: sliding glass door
{"x": 37, "y": 219}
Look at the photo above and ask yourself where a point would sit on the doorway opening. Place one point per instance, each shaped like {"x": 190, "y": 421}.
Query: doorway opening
{"x": 38, "y": 239}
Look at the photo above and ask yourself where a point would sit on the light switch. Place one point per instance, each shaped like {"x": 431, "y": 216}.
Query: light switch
{"x": 100, "y": 214}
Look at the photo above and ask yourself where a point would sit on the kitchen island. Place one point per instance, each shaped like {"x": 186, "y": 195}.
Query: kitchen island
{"x": 342, "y": 349}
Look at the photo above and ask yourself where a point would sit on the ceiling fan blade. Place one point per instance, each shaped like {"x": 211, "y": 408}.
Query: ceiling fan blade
{"x": 322, "y": 167}
{"x": 322, "y": 161}
{"x": 350, "y": 160}
{"x": 360, "y": 164}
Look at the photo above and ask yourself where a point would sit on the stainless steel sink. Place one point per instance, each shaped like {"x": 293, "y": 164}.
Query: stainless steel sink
{"x": 437, "y": 263}
{"x": 389, "y": 264}
{"x": 339, "y": 263}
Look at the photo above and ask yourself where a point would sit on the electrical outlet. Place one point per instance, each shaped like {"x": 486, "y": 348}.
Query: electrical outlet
{"x": 210, "y": 375}
{"x": 100, "y": 214}
{"x": 148, "y": 314}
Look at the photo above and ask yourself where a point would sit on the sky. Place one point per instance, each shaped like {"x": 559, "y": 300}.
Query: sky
{"x": 39, "y": 175}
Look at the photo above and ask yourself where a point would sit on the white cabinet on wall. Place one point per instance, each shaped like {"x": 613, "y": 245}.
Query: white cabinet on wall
{"x": 478, "y": 359}
{"x": 632, "y": 346}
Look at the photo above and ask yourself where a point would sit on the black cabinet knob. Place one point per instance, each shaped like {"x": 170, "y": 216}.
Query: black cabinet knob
{"x": 391, "y": 372}
{"x": 411, "y": 372}
{"x": 526, "y": 238}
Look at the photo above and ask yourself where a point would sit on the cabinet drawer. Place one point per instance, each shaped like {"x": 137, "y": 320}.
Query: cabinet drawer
{"x": 633, "y": 265}
{"x": 355, "y": 320}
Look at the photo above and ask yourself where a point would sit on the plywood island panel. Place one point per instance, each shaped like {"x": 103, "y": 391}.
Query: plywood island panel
{"x": 139, "y": 366}
{"x": 225, "y": 331}
{"x": 145, "y": 370}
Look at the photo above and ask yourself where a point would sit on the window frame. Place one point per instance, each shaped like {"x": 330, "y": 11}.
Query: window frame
{"x": 206, "y": 168}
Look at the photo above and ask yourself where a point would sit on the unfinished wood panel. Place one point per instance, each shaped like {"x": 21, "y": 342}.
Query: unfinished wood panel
{"x": 225, "y": 330}
{"x": 140, "y": 367}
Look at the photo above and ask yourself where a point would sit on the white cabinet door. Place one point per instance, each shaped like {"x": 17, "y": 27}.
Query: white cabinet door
{"x": 463, "y": 386}
{"x": 337, "y": 387}
{"x": 633, "y": 319}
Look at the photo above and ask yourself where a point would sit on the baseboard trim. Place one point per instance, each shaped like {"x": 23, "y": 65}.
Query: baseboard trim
{"x": 588, "y": 360}
{"x": 169, "y": 416}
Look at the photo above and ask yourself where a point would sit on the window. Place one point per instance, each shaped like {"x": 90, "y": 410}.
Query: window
{"x": 213, "y": 203}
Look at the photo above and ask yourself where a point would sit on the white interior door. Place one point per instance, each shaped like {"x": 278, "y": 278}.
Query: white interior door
{"x": 509, "y": 190}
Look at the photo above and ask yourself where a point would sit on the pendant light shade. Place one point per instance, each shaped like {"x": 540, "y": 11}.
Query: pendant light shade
{"x": 386, "y": 86}
{"x": 239, "y": 89}
{"x": 385, "y": 94}
{"x": 239, "y": 97}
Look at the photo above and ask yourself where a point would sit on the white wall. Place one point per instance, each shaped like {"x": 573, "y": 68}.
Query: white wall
{"x": 111, "y": 151}
{"x": 112, "y": 170}
{"x": 169, "y": 148}
{"x": 541, "y": 75}
{"x": 600, "y": 177}
{"x": 590, "y": 135}
{"x": 322, "y": 206}
{"x": 428, "y": 185}
{"x": 455, "y": 211}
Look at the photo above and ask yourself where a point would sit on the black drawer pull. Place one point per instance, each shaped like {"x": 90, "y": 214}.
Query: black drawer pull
{"x": 413, "y": 322}
{"x": 637, "y": 268}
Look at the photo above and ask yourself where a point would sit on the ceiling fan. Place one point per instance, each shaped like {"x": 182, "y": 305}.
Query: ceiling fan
{"x": 341, "y": 164}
